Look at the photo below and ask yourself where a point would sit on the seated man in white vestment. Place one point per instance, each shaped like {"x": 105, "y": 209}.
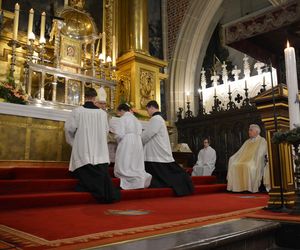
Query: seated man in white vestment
{"x": 129, "y": 160}
{"x": 205, "y": 164}
{"x": 159, "y": 161}
{"x": 86, "y": 131}
{"x": 247, "y": 166}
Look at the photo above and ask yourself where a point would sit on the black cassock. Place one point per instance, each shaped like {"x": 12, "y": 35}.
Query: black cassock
{"x": 169, "y": 175}
{"x": 96, "y": 180}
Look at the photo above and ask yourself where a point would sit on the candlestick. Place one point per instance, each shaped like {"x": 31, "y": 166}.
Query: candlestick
{"x": 16, "y": 22}
{"x": 43, "y": 23}
{"x": 292, "y": 84}
{"x": 30, "y": 25}
{"x": 104, "y": 45}
{"x": 114, "y": 51}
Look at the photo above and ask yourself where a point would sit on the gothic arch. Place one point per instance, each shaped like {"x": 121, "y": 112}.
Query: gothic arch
{"x": 194, "y": 35}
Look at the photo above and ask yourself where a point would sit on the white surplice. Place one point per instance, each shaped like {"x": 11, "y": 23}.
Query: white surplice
{"x": 156, "y": 141}
{"x": 205, "y": 164}
{"x": 129, "y": 160}
{"x": 246, "y": 167}
{"x": 86, "y": 131}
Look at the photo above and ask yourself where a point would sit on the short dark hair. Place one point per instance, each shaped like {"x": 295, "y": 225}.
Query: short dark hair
{"x": 153, "y": 104}
{"x": 124, "y": 107}
{"x": 207, "y": 139}
{"x": 90, "y": 92}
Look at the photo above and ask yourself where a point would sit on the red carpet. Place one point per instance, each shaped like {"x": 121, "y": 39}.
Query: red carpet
{"x": 86, "y": 225}
{"x": 26, "y": 186}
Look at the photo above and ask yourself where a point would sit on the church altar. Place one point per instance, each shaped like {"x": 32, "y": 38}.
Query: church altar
{"x": 32, "y": 133}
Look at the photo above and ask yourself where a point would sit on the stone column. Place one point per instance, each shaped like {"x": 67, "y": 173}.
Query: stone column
{"x": 280, "y": 156}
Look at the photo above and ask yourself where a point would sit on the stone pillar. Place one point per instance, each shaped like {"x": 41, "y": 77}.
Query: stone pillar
{"x": 280, "y": 156}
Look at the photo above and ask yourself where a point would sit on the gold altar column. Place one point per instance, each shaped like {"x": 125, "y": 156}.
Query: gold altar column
{"x": 138, "y": 73}
{"x": 133, "y": 26}
{"x": 280, "y": 156}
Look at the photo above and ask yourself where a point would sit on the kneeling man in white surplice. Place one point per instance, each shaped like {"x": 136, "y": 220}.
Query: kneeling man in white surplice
{"x": 205, "y": 164}
{"x": 129, "y": 160}
{"x": 247, "y": 166}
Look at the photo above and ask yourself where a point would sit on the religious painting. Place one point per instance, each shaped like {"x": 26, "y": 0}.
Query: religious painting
{"x": 70, "y": 51}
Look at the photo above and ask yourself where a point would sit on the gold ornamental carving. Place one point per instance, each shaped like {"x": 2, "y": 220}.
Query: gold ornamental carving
{"x": 147, "y": 87}
{"x": 124, "y": 87}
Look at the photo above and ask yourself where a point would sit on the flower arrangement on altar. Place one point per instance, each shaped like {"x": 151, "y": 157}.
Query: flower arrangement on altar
{"x": 11, "y": 94}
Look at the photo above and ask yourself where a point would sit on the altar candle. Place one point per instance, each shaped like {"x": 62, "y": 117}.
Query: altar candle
{"x": 215, "y": 92}
{"x": 292, "y": 84}
{"x": 104, "y": 45}
{"x": 43, "y": 23}
{"x": 229, "y": 90}
{"x": 16, "y": 22}
{"x": 245, "y": 84}
{"x": 30, "y": 25}
{"x": 200, "y": 94}
{"x": 114, "y": 51}
{"x": 66, "y": 3}
{"x": 188, "y": 96}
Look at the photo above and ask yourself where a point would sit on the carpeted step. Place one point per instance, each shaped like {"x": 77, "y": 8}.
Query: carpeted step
{"x": 22, "y": 186}
{"x": 67, "y": 198}
{"x": 38, "y": 173}
{"x": 201, "y": 180}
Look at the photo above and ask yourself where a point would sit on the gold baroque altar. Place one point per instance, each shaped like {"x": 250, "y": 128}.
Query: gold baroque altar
{"x": 77, "y": 56}
{"x": 32, "y": 138}
{"x": 55, "y": 72}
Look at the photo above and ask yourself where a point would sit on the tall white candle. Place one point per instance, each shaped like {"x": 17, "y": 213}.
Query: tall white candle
{"x": 30, "y": 25}
{"x": 200, "y": 94}
{"x": 16, "y": 22}
{"x": 114, "y": 51}
{"x": 188, "y": 96}
{"x": 66, "y": 3}
{"x": 292, "y": 84}
{"x": 104, "y": 45}
{"x": 43, "y": 23}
